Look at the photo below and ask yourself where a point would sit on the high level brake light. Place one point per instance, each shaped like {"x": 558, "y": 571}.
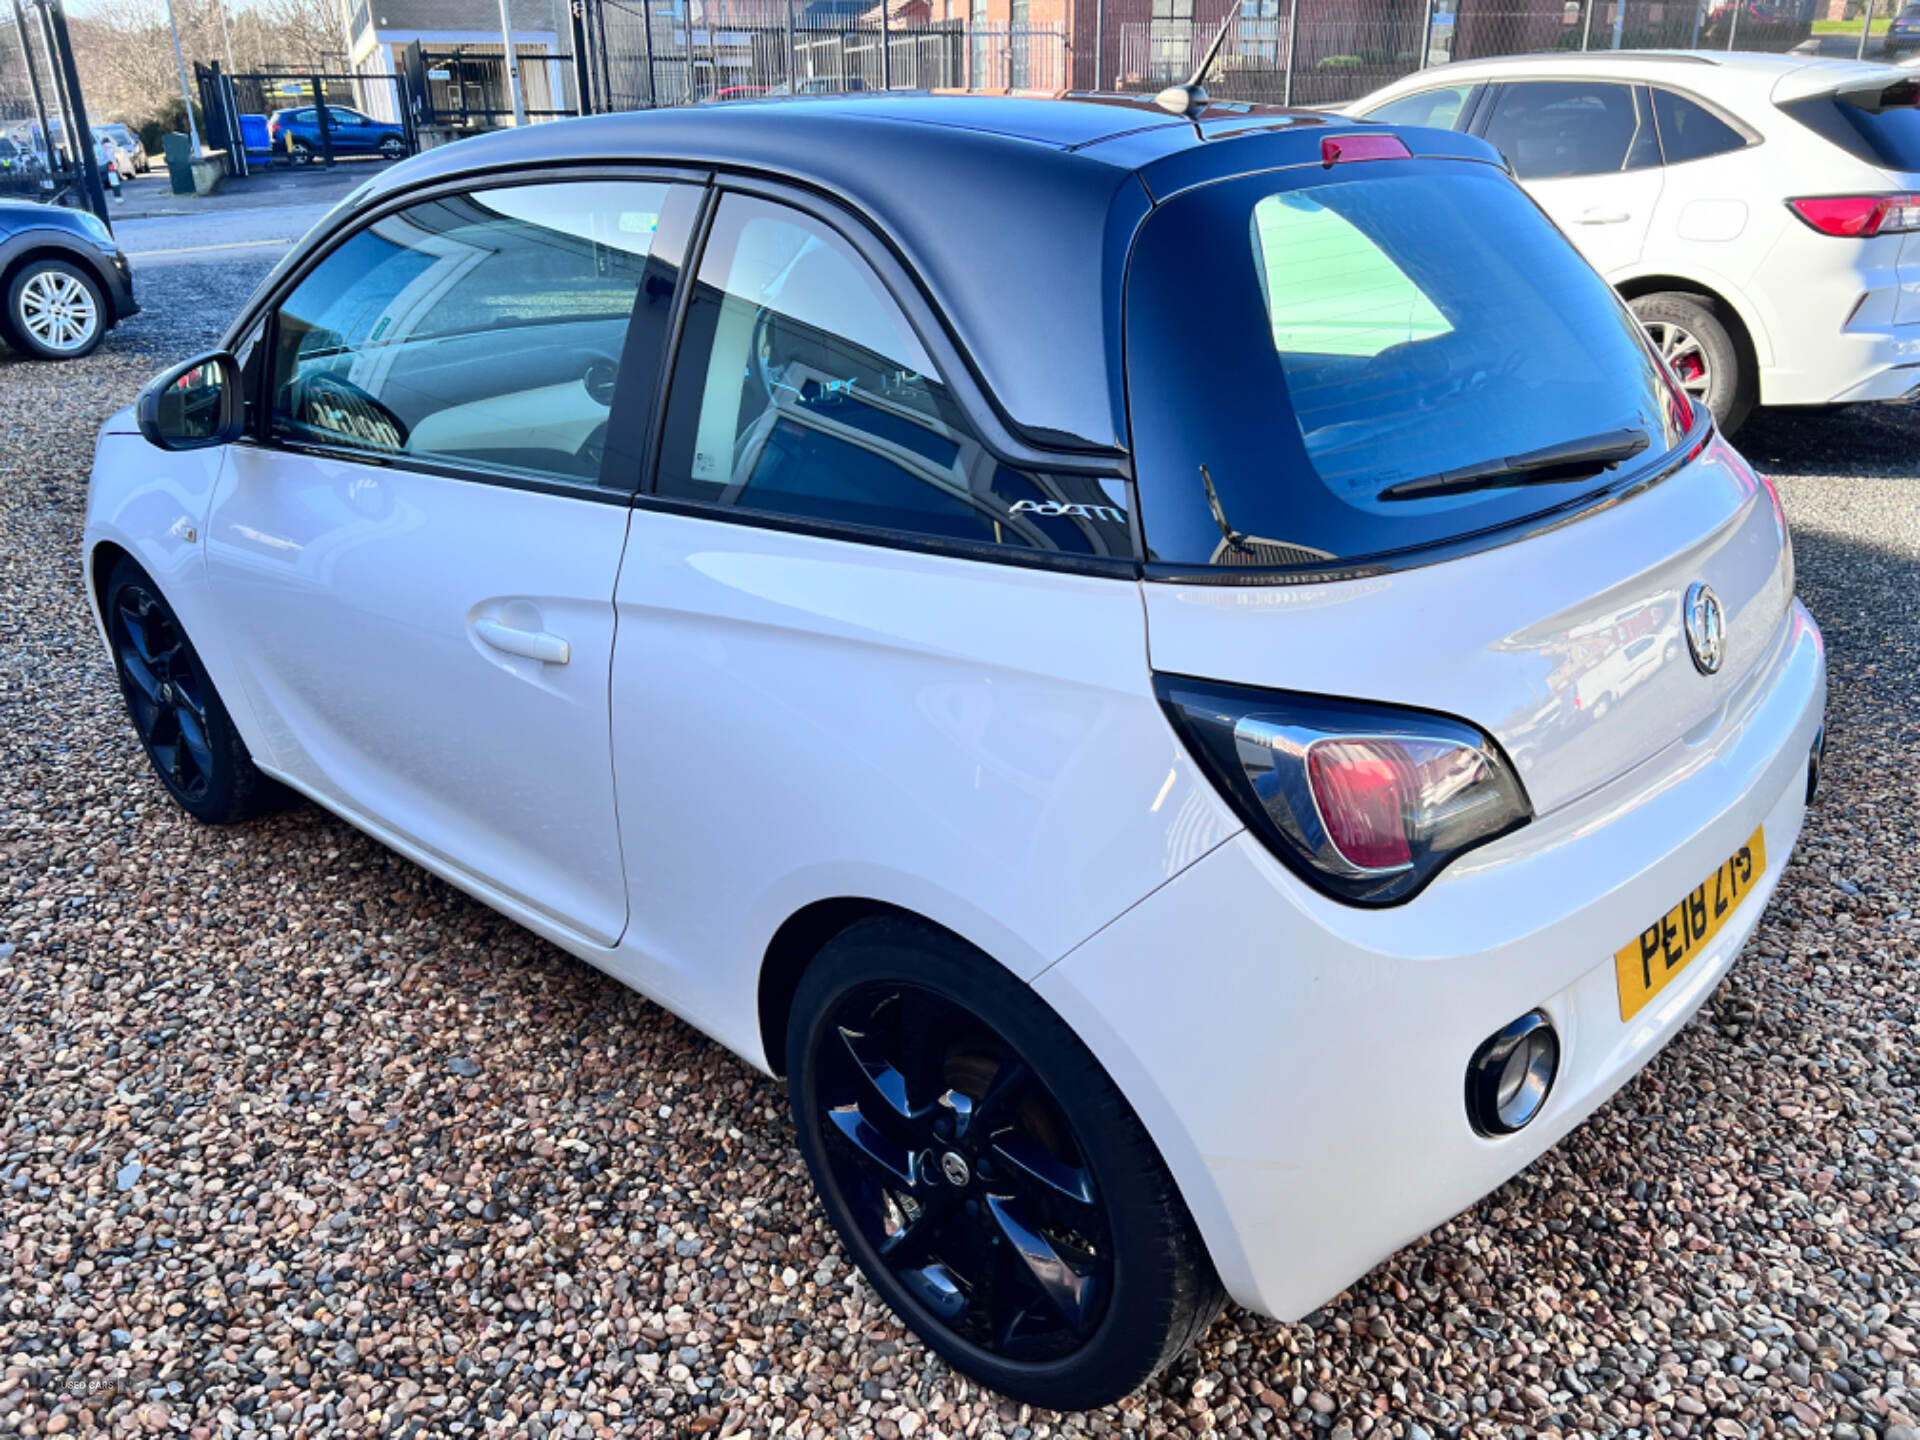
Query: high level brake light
{"x": 1859, "y": 216}
{"x": 1345, "y": 149}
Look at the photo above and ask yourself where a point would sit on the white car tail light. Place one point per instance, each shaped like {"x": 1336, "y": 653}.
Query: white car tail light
{"x": 1859, "y": 216}
{"x": 1366, "y": 802}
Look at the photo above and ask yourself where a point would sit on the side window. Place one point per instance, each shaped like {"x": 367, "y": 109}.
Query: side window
{"x": 484, "y": 328}
{"x": 800, "y": 390}
{"x": 1692, "y": 132}
{"x": 1553, "y": 128}
{"x": 1440, "y": 109}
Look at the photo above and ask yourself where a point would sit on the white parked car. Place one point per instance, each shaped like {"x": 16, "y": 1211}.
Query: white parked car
{"x": 1761, "y": 213}
{"x": 113, "y": 154}
{"x": 1130, "y": 780}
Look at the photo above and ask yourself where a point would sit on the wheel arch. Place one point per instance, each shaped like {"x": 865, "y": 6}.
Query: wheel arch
{"x": 18, "y": 255}
{"x": 102, "y": 557}
{"x": 801, "y": 937}
{"x": 1740, "y": 326}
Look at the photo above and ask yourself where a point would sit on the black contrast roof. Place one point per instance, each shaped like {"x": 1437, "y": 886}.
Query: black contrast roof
{"x": 1018, "y": 214}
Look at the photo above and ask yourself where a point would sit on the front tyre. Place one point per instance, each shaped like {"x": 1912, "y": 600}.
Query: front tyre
{"x": 393, "y": 148}
{"x": 1700, "y": 351}
{"x": 183, "y": 726}
{"x": 54, "y": 311}
{"x": 986, "y": 1175}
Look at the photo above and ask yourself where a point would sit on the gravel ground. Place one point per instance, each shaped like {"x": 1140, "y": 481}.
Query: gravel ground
{"x": 298, "y": 1140}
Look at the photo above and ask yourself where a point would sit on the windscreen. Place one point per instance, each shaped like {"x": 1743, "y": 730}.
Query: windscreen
{"x": 1305, "y": 359}
{"x": 1881, "y": 129}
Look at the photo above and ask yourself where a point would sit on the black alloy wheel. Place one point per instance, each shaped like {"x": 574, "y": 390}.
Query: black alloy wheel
{"x": 964, "y": 1173}
{"x": 166, "y": 691}
{"x": 985, "y": 1173}
{"x": 181, "y": 722}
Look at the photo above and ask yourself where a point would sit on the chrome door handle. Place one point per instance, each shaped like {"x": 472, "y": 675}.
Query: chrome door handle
{"x": 1605, "y": 217}
{"x": 534, "y": 644}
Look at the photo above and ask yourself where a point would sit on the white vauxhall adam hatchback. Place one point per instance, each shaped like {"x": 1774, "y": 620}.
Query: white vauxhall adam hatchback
{"x": 1049, "y": 625}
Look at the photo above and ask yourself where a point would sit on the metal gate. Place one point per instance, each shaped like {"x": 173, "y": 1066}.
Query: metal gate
{"x": 47, "y": 150}
{"x": 466, "y": 87}
{"x": 336, "y": 117}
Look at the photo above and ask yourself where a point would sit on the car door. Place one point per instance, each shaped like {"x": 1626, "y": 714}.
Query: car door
{"x": 859, "y": 654}
{"x": 352, "y": 135}
{"x": 417, "y": 552}
{"x": 1588, "y": 152}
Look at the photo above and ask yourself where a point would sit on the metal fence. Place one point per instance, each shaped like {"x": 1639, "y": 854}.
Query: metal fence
{"x": 47, "y": 150}
{"x": 643, "y": 55}
{"x": 1317, "y": 52}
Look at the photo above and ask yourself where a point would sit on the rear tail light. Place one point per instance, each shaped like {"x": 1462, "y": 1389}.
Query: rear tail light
{"x": 1679, "y": 403}
{"x": 1859, "y": 216}
{"x": 1366, "y": 802}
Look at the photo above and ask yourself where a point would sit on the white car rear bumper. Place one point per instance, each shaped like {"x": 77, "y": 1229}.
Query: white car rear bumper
{"x": 1302, "y": 1063}
{"x": 1849, "y": 328}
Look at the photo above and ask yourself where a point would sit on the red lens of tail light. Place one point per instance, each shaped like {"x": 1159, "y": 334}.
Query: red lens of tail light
{"x": 1366, "y": 802}
{"x": 1859, "y": 216}
{"x": 1365, "y": 790}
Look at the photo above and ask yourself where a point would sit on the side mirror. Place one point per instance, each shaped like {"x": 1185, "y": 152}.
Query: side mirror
{"x": 194, "y": 405}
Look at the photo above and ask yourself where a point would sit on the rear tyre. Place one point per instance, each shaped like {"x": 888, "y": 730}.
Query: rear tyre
{"x": 54, "y": 311}
{"x": 189, "y": 738}
{"x": 1701, "y": 352}
{"x": 302, "y": 152}
{"x": 986, "y": 1175}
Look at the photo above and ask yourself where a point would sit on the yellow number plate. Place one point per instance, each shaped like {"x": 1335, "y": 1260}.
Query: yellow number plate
{"x": 1646, "y": 965}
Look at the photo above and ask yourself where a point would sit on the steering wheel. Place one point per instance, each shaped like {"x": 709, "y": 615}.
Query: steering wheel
{"x": 592, "y": 453}
{"x": 760, "y": 356}
{"x": 335, "y": 406}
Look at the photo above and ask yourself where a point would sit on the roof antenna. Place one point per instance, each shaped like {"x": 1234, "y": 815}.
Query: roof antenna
{"x": 1190, "y": 99}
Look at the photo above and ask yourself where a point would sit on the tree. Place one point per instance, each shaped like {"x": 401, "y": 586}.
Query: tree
{"x": 124, "y": 52}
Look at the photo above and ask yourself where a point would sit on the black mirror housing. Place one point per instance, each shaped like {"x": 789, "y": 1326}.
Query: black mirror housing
{"x": 193, "y": 406}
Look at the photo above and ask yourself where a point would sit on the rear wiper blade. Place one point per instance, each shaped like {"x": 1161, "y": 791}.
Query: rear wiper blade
{"x": 1567, "y": 461}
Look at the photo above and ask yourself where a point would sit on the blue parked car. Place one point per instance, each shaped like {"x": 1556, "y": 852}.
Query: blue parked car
{"x": 297, "y": 132}
{"x": 1903, "y": 32}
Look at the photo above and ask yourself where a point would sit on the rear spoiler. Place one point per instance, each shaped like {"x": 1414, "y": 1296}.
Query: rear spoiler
{"x": 1901, "y": 95}
{"x": 1872, "y": 88}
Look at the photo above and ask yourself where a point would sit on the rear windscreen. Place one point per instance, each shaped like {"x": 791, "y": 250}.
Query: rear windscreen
{"x": 1297, "y": 350}
{"x": 1886, "y": 131}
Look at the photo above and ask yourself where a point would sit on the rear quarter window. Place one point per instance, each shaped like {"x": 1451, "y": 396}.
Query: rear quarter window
{"x": 1690, "y": 131}
{"x": 1440, "y": 109}
{"x": 1885, "y": 133}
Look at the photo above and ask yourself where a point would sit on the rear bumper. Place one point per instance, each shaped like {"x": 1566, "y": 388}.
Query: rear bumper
{"x": 1301, "y": 1064}
{"x": 1897, "y": 382}
{"x": 1869, "y": 359}
{"x": 1846, "y": 325}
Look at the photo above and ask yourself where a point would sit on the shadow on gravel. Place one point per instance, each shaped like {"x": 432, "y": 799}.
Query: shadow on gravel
{"x": 1848, "y": 441}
